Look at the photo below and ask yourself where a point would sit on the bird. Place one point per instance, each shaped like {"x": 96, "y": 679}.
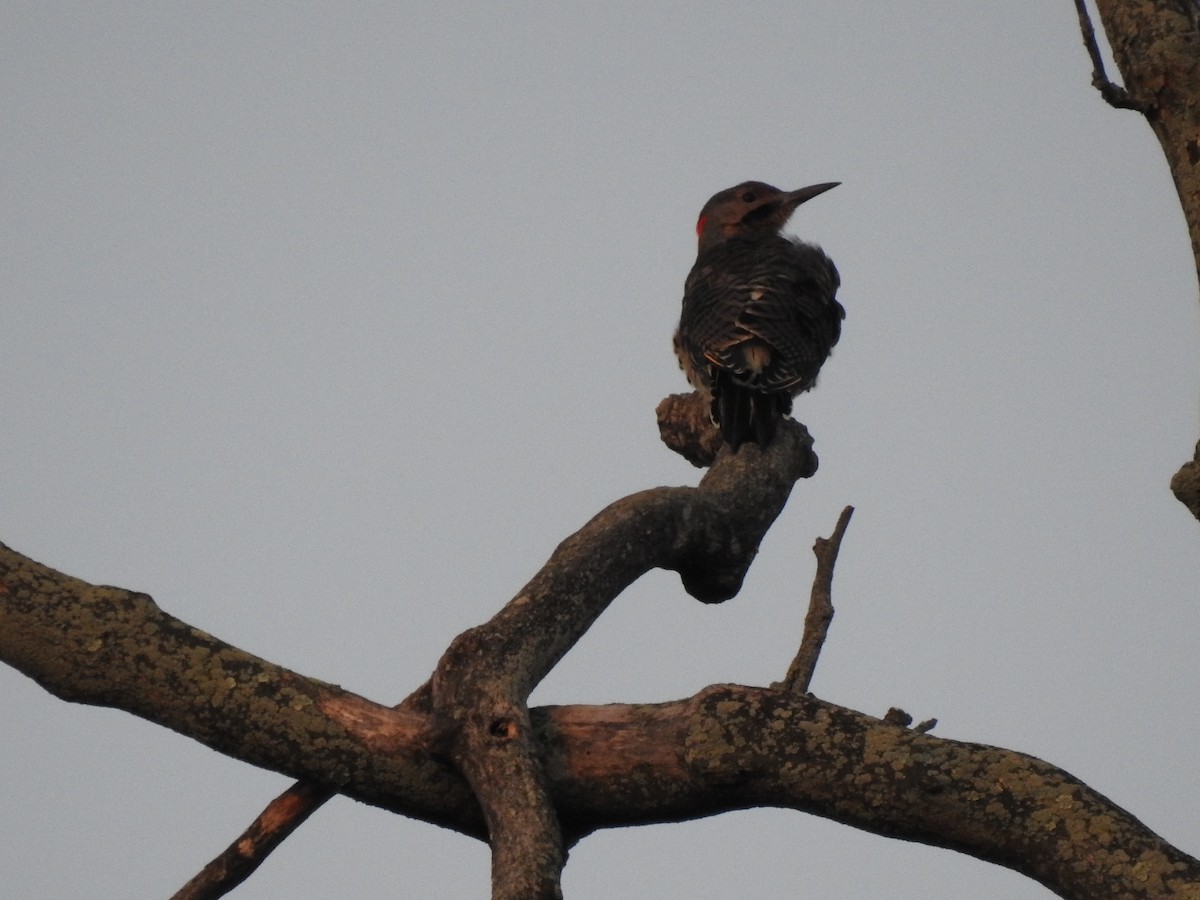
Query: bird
{"x": 760, "y": 311}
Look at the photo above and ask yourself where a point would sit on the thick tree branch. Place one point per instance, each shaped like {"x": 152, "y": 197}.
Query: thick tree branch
{"x": 709, "y": 534}
{"x": 1156, "y": 45}
{"x": 732, "y": 744}
{"x": 485, "y": 678}
{"x": 105, "y": 646}
{"x": 728, "y": 747}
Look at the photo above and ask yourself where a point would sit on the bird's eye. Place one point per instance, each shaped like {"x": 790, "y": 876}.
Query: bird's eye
{"x": 749, "y": 197}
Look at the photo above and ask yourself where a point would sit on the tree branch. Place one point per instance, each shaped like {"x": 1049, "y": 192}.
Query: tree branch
{"x": 1154, "y": 44}
{"x": 270, "y": 828}
{"x": 726, "y": 748}
{"x": 709, "y": 534}
{"x": 820, "y": 608}
{"x": 740, "y": 745}
{"x": 1114, "y": 95}
{"x": 518, "y": 777}
{"x": 239, "y": 860}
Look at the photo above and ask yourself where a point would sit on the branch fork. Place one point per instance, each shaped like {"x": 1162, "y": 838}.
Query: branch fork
{"x": 577, "y": 769}
{"x": 477, "y": 697}
{"x": 465, "y": 752}
{"x": 708, "y": 534}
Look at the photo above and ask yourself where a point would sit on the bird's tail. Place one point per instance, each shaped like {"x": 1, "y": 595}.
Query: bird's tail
{"x": 743, "y": 414}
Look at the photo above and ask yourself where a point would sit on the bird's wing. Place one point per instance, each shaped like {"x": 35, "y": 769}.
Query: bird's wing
{"x": 765, "y": 310}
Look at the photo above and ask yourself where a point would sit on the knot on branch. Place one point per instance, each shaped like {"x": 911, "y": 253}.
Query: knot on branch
{"x": 1185, "y": 484}
{"x": 685, "y": 426}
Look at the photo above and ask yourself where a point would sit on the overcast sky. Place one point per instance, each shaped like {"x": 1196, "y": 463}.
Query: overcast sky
{"x": 323, "y": 324}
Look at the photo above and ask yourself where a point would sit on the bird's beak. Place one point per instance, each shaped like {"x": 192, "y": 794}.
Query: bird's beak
{"x": 792, "y": 199}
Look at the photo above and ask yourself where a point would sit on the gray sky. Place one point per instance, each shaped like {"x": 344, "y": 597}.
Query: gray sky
{"x": 324, "y": 324}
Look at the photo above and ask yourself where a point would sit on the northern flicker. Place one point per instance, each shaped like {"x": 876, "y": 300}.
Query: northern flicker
{"x": 760, "y": 313}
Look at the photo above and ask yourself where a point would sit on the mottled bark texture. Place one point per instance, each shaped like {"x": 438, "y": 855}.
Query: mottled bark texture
{"x": 728, "y": 747}
{"x": 1156, "y": 45}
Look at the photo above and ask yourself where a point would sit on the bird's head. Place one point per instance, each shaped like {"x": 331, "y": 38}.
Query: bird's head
{"x": 751, "y": 207}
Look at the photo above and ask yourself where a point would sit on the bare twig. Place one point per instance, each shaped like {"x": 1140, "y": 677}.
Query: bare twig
{"x": 820, "y": 608}
{"x": 274, "y": 825}
{"x": 1113, "y": 94}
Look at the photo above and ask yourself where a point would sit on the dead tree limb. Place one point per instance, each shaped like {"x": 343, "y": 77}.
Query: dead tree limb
{"x": 1114, "y": 95}
{"x": 728, "y": 747}
{"x": 820, "y": 608}
{"x": 272, "y": 827}
{"x": 1156, "y": 46}
{"x": 709, "y": 534}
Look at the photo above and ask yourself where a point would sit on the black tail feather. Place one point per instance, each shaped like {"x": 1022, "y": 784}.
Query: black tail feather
{"x": 733, "y": 411}
{"x": 745, "y": 415}
{"x": 766, "y": 415}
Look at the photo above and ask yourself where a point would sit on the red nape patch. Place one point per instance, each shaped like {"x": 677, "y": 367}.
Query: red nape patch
{"x": 700, "y": 224}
